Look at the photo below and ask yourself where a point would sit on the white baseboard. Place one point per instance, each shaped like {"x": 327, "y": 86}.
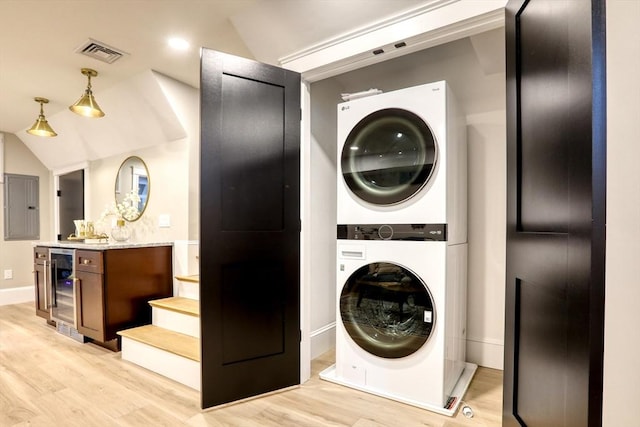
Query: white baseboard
{"x": 486, "y": 353}
{"x": 323, "y": 340}
{"x": 17, "y": 295}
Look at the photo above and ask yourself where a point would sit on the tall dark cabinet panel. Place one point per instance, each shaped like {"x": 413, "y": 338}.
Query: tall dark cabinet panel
{"x": 250, "y": 228}
{"x": 556, "y": 213}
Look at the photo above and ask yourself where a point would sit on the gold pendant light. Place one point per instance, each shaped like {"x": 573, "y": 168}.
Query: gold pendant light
{"x": 87, "y": 106}
{"x": 41, "y": 126}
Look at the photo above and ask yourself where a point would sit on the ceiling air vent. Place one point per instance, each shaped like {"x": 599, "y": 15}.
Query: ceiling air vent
{"x": 100, "y": 51}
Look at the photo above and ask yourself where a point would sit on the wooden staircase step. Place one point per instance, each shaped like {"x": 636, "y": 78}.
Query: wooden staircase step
{"x": 194, "y": 278}
{"x": 164, "y": 339}
{"x": 182, "y": 305}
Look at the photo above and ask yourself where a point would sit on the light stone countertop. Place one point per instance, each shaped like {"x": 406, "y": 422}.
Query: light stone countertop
{"x": 100, "y": 246}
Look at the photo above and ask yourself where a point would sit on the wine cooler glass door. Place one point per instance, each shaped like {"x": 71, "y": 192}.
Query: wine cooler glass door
{"x": 62, "y": 282}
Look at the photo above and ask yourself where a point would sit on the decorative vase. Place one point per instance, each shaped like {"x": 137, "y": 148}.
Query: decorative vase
{"x": 121, "y": 232}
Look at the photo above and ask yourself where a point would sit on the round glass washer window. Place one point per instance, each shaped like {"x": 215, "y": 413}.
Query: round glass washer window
{"x": 388, "y": 156}
{"x": 387, "y": 310}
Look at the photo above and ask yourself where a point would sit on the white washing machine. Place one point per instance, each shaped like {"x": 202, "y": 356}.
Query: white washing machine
{"x": 402, "y": 160}
{"x": 400, "y": 328}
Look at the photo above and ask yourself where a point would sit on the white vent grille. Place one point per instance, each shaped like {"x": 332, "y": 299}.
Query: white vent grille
{"x": 100, "y": 51}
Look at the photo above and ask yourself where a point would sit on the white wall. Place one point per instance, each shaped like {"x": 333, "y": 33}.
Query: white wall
{"x": 168, "y": 190}
{"x": 481, "y": 93}
{"x": 622, "y": 316}
{"x": 185, "y": 101}
{"x": 18, "y": 255}
{"x": 323, "y": 216}
{"x": 487, "y": 162}
{"x": 173, "y": 186}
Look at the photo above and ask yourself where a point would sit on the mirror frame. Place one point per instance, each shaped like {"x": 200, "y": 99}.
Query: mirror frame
{"x": 132, "y": 161}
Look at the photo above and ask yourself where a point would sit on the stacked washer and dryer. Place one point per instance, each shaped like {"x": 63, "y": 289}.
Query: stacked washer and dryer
{"x": 402, "y": 248}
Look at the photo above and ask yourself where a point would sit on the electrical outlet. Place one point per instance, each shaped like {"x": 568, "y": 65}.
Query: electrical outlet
{"x": 8, "y": 274}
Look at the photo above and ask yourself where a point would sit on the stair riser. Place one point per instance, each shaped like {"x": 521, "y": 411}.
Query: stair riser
{"x": 188, "y": 290}
{"x": 170, "y": 365}
{"x": 174, "y": 321}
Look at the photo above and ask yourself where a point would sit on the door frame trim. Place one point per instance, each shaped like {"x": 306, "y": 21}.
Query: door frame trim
{"x": 439, "y": 22}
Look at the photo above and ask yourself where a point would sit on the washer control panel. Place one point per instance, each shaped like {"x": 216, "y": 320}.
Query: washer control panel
{"x": 417, "y": 232}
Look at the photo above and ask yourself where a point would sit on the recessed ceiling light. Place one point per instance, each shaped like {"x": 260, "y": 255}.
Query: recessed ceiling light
{"x": 178, "y": 43}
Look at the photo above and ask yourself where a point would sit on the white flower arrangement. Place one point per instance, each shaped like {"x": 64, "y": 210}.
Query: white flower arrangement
{"x": 127, "y": 209}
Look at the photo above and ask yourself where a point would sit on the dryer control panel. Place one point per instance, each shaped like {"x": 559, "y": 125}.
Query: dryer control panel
{"x": 415, "y": 232}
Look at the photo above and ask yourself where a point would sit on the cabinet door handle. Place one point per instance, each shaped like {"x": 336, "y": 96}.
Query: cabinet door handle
{"x": 46, "y": 285}
{"x": 76, "y": 304}
{"x": 86, "y": 261}
{"x": 53, "y": 272}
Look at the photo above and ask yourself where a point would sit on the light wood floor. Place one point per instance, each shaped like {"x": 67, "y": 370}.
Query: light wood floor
{"x": 47, "y": 379}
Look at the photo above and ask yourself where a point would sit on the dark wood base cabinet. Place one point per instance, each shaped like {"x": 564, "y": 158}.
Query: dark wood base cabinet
{"x": 113, "y": 286}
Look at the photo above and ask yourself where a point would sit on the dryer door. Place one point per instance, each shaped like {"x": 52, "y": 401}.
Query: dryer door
{"x": 387, "y": 310}
{"x": 388, "y": 156}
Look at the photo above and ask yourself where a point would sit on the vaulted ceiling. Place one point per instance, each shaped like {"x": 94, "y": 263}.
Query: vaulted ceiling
{"x": 39, "y": 39}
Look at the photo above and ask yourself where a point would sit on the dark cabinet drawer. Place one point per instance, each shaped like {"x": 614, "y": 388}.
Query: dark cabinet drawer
{"x": 89, "y": 261}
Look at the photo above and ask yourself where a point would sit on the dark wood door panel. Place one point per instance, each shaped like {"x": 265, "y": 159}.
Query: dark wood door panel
{"x": 543, "y": 107}
{"x": 539, "y": 257}
{"x": 253, "y": 302}
{"x": 250, "y": 211}
{"x": 41, "y": 277}
{"x": 555, "y": 213}
{"x": 41, "y": 289}
{"x": 541, "y": 359}
{"x": 252, "y": 185}
{"x": 90, "y": 304}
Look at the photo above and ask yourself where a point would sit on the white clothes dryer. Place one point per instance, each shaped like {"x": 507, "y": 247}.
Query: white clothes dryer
{"x": 402, "y": 160}
{"x": 400, "y": 329}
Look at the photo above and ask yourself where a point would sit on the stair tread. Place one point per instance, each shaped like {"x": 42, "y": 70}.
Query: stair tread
{"x": 194, "y": 278}
{"x": 179, "y": 304}
{"x": 173, "y": 342}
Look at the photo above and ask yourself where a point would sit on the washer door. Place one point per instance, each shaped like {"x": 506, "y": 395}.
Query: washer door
{"x": 387, "y": 310}
{"x": 388, "y": 156}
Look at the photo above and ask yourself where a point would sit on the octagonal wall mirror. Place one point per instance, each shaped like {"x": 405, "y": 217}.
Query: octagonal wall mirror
{"x": 132, "y": 188}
